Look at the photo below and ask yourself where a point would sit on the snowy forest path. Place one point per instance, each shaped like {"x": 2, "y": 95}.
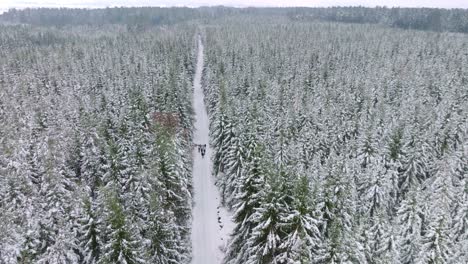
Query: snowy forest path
{"x": 211, "y": 222}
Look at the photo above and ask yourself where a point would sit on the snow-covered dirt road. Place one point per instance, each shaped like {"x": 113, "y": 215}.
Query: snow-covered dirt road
{"x": 211, "y": 223}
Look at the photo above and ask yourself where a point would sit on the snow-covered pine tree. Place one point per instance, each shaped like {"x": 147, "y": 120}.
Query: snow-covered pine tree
{"x": 235, "y": 162}
{"x": 55, "y": 202}
{"x": 376, "y": 187}
{"x": 409, "y": 220}
{"x": 267, "y": 235}
{"x": 415, "y": 164}
{"x": 221, "y": 135}
{"x": 169, "y": 174}
{"x": 459, "y": 227}
{"x": 436, "y": 240}
{"x": 302, "y": 242}
{"x": 64, "y": 248}
{"x": 250, "y": 195}
{"x": 183, "y": 171}
{"x": 91, "y": 166}
{"x": 14, "y": 190}
{"x": 337, "y": 206}
{"x": 367, "y": 149}
{"x": 163, "y": 245}
{"x": 122, "y": 244}
{"x": 90, "y": 229}
{"x": 380, "y": 239}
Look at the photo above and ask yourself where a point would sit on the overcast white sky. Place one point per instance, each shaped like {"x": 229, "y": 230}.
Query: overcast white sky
{"x": 6, "y": 4}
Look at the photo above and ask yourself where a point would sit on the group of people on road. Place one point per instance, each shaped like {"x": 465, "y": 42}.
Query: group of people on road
{"x": 201, "y": 149}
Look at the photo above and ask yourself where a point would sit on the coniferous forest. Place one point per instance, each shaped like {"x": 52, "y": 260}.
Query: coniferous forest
{"x": 339, "y": 135}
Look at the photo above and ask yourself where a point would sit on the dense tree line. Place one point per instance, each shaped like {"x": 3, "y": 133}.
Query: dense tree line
{"x": 126, "y": 16}
{"x": 91, "y": 170}
{"x": 339, "y": 143}
{"x": 131, "y": 16}
{"x": 454, "y": 20}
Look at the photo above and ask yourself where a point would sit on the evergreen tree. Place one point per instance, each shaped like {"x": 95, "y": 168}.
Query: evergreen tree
{"x": 251, "y": 192}
{"x": 163, "y": 244}
{"x": 337, "y": 208}
{"x": 302, "y": 242}
{"x": 90, "y": 228}
{"x": 234, "y": 169}
{"x": 266, "y": 238}
{"x": 409, "y": 220}
{"x": 121, "y": 245}
{"x": 436, "y": 242}
{"x": 62, "y": 250}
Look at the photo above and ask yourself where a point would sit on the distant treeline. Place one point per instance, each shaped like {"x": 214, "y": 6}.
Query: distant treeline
{"x": 72, "y": 16}
{"x": 453, "y": 20}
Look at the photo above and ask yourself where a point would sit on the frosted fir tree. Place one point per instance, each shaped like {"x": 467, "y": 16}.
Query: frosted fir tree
{"x": 459, "y": 230}
{"x": 31, "y": 246}
{"x": 34, "y": 158}
{"x": 394, "y": 146}
{"x": 367, "y": 149}
{"x": 90, "y": 230}
{"x": 162, "y": 242}
{"x": 409, "y": 220}
{"x": 266, "y": 238}
{"x": 183, "y": 211}
{"x": 234, "y": 169}
{"x": 54, "y": 209}
{"x": 221, "y": 175}
{"x": 92, "y": 162}
{"x": 415, "y": 164}
{"x": 459, "y": 171}
{"x": 168, "y": 174}
{"x": 251, "y": 192}
{"x": 63, "y": 250}
{"x": 15, "y": 188}
{"x": 380, "y": 239}
{"x": 15, "y": 205}
{"x": 437, "y": 240}
{"x": 461, "y": 235}
{"x": 184, "y": 171}
{"x": 126, "y": 158}
{"x": 302, "y": 241}
{"x": 138, "y": 202}
{"x": 281, "y": 149}
{"x": 337, "y": 206}
{"x": 436, "y": 246}
{"x": 133, "y": 181}
{"x": 222, "y": 134}
{"x": 111, "y": 163}
{"x": 74, "y": 158}
{"x": 376, "y": 188}
{"x": 307, "y": 151}
{"x": 122, "y": 245}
